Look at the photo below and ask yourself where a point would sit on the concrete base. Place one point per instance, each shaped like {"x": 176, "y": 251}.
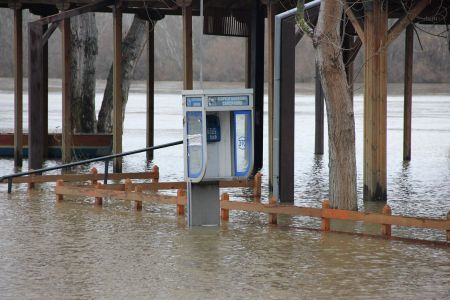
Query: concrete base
{"x": 203, "y": 204}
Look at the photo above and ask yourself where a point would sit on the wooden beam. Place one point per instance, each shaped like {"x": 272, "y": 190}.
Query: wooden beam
{"x": 408, "y": 18}
{"x": 187, "y": 48}
{"x": 375, "y": 102}
{"x": 355, "y": 22}
{"x": 18, "y": 88}
{"x": 35, "y": 97}
{"x": 349, "y": 55}
{"x": 150, "y": 90}
{"x": 117, "y": 88}
{"x": 66, "y": 142}
{"x": 409, "y": 44}
{"x": 272, "y": 9}
{"x": 48, "y": 33}
{"x": 45, "y": 94}
{"x": 319, "y": 115}
{"x": 287, "y": 112}
{"x": 76, "y": 12}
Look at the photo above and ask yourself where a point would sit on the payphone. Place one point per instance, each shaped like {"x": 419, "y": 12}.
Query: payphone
{"x": 218, "y": 145}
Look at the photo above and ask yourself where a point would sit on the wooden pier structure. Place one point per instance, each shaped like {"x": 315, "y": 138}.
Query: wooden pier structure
{"x": 367, "y": 28}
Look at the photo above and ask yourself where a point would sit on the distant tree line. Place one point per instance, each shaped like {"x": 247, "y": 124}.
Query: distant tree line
{"x": 224, "y": 57}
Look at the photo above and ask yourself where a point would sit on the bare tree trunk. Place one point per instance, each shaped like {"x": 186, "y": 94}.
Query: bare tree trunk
{"x": 84, "y": 52}
{"x": 341, "y": 124}
{"x": 132, "y": 46}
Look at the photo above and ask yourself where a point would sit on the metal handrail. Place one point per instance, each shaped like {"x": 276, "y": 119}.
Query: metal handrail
{"x": 106, "y": 159}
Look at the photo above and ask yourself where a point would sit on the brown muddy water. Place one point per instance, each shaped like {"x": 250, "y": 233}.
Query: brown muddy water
{"x": 76, "y": 251}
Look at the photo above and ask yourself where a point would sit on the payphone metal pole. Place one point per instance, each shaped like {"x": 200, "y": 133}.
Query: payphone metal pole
{"x": 204, "y": 204}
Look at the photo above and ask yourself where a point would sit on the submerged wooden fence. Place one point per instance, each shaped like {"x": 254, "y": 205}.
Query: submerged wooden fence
{"x": 134, "y": 192}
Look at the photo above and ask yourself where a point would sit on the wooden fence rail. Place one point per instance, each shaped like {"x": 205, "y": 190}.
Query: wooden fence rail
{"x": 272, "y": 209}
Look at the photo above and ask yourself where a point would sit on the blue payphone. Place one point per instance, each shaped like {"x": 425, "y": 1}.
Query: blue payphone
{"x": 218, "y": 145}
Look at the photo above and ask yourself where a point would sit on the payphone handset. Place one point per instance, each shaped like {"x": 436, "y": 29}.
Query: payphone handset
{"x": 218, "y": 134}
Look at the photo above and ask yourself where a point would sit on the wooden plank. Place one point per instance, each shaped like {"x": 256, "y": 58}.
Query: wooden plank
{"x": 403, "y": 22}
{"x": 48, "y": 33}
{"x": 287, "y": 112}
{"x": 319, "y": 115}
{"x": 150, "y": 90}
{"x": 236, "y": 183}
{"x": 35, "y": 95}
{"x": 66, "y": 142}
{"x": 120, "y": 195}
{"x": 355, "y": 22}
{"x": 407, "y": 109}
{"x": 375, "y": 102}
{"x": 18, "y": 88}
{"x": 187, "y": 48}
{"x": 117, "y": 88}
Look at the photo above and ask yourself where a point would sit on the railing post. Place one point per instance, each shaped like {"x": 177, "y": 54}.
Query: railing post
{"x": 137, "y": 203}
{"x": 386, "y": 228}
{"x": 180, "y": 207}
{"x": 225, "y": 212}
{"x": 155, "y": 171}
{"x": 273, "y": 218}
{"x": 325, "y": 226}
{"x": 98, "y": 200}
{"x": 59, "y": 197}
{"x": 94, "y": 173}
{"x": 9, "y": 185}
{"x": 257, "y": 185}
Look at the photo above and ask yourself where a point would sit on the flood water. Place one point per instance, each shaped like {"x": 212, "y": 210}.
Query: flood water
{"x": 73, "y": 250}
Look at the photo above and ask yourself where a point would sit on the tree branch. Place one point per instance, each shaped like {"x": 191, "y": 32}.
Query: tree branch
{"x": 300, "y": 19}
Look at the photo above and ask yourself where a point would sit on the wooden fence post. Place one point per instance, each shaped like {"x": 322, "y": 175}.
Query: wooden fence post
{"x": 137, "y": 203}
{"x": 31, "y": 183}
{"x": 128, "y": 187}
{"x": 155, "y": 170}
{"x": 386, "y": 228}
{"x": 180, "y": 207}
{"x": 273, "y": 219}
{"x": 224, "y": 212}
{"x": 325, "y": 226}
{"x": 94, "y": 173}
{"x": 59, "y": 197}
{"x": 257, "y": 185}
{"x": 98, "y": 200}
{"x": 448, "y": 231}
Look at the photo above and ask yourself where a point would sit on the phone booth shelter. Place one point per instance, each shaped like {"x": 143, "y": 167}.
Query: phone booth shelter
{"x": 218, "y": 145}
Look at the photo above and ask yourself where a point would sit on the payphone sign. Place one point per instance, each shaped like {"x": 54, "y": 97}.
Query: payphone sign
{"x": 238, "y": 100}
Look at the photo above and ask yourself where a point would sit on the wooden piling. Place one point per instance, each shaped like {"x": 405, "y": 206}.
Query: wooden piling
{"x": 44, "y": 138}
{"x": 448, "y": 231}
{"x": 257, "y": 182}
{"x": 66, "y": 142}
{"x": 31, "y": 182}
{"x": 150, "y": 90}
{"x": 407, "y": 111}
{"x": 94, "y": 172}
{"x": 117, "y": 87}
{"x": 180, "y": 207}
{"x": 59, "y": 197}
{"x": 273, "y": 218}
{"x": 98, "y": 200}
{"x": 272, "y": 9}
{"x": 18, "y": 88}
{"x": 325, "y": 225}
{"x": 319, "y": 115}
{"x": 224, "y": 212}
{"x": 386, "y": 229}
{"x": 187, "y": 47}
{"x": 138, "y": 203}
{"x": 35, "y": 95}
{"x": 375, "y": 101}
